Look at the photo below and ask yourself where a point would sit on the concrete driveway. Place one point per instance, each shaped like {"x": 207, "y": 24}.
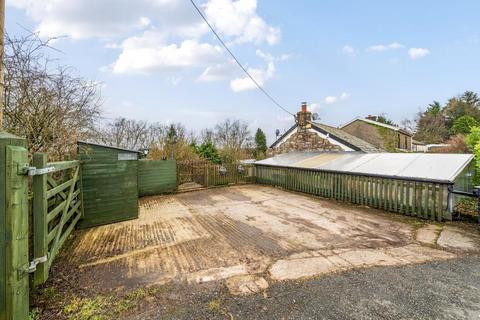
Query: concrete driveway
{"x": 251, "y": 237}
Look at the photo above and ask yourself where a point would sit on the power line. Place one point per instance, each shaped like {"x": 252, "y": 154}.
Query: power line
{"x": 237, "y": 61}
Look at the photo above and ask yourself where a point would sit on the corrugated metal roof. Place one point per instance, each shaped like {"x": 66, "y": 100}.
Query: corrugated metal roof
{"x": 438, "y": 167}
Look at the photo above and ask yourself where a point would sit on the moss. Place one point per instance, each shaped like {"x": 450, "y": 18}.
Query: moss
{"x": 389, "y": 139}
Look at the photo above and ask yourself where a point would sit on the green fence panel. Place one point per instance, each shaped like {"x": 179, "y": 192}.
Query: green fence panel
{"x": 109, "y": 183}
{"x": 156, "y": 177}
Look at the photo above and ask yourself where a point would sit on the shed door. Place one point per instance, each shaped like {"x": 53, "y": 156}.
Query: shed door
{"x": 109, "y": 184}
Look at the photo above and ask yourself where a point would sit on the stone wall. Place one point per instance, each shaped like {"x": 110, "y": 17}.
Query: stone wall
{"x": 303, "y": 140}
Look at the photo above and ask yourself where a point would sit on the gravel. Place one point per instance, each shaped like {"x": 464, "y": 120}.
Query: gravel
{"x": 436, "y": 290}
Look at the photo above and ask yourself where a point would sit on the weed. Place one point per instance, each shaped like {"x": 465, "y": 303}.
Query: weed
{"x": 34, "y": 314}
{"x": 214, "y": 305}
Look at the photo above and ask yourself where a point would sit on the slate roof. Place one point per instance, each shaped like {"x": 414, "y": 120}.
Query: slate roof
{"x": 345, "y": 137}
{"x": 377, "y": 123}
{"x": 341, "y": 136}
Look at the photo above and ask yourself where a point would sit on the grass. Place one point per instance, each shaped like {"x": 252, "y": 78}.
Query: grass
{"x": 100, "y": 307}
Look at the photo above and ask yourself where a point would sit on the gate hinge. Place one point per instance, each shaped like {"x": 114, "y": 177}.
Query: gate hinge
{"x": 35, "y": 262}
{"x": 33, "y": 171}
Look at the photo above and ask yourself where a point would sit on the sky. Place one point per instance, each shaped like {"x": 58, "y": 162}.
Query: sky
{"x": 156, "y": 60}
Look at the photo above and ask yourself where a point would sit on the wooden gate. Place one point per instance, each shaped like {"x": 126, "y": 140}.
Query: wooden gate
{"x": 57, "y": 208}
{"x": 192, "y": 172}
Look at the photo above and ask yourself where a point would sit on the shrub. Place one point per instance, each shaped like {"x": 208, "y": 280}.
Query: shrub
{"x": 464, "y": 124}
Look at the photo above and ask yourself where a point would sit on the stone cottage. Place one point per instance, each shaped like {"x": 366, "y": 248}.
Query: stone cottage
{"x": 381, "y": 135}
{"x": 309, "y": 135}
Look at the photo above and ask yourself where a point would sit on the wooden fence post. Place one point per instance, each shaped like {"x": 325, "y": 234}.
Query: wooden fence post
{"x": 13, "y": 229}
{"x": 40, "y": 225}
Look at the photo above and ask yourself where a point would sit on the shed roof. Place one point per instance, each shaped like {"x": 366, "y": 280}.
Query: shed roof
{"x": 435, "y": 167}
{"x": 105, "y": 146}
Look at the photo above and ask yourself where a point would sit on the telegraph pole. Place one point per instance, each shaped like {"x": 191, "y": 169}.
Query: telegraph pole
{"x": 2, "y": 44}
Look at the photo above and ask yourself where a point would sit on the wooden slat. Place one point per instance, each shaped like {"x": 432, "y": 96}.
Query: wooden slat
{"x": 56, "y": 245}
{"x": 59, "y": 188}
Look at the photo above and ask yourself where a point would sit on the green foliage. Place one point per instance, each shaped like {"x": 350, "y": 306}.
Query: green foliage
{"x": 473, "y": 138}
{"x": 383, "y": 119}
{"x": 389, "y": 139}
{"x": 207, "y": 150}
{"x": 437, "y": 124}
{"x": 172, "y": 135}
{"x": 434, "y": 109}
{"x": 260, "y": 144}
{"x": 463, "y": 125}
{"x": 476, "y": 153}
{"x": 34, "y": 314}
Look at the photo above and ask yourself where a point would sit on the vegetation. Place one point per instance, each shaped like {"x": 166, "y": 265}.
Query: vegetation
{"x": 383, "y": 119}
{"x": 260, "y": 144}
{"x": 208, "y": 151}
{"x": 438, "y": 123}
{"x": 47, "y": 103}
{"x": 464, "y": 125}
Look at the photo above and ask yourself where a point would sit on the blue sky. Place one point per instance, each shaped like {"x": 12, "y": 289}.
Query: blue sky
{"x": 158, "y": 62}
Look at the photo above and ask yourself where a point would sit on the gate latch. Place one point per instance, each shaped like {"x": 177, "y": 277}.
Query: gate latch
{"x": 35, "y": 262}
{"x": 33, "y": 171}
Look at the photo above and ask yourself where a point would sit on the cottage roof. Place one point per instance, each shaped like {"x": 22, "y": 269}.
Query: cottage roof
{"x": 435, "y": 167}
{"x": 381, "y": 124}
{"x": 337, "y": 134}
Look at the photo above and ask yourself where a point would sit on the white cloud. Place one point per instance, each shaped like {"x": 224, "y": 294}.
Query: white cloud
{"x": 149, "y": 53}
{"x": 330, "y": 100}
{"x": 219, "y": 71}
{"x": 239, "y": 19}
{"x": 313, "y": 107}
{"x": 335, "y": 99}
{"x": 160, "y": 35}
{"x": 81, "y": 19}
{"x": 417, "y": 53}
{"x": 384, "y": 47}
{"x": 349, "y": 50}
{"x": 260, "y": 75}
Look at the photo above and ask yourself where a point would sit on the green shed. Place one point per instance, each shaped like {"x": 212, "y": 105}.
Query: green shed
{"x": 109, "y": 183}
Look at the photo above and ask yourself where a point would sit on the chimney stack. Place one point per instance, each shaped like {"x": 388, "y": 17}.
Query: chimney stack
{"x": 304, "y": 116}
{"x": 370, "y": 117}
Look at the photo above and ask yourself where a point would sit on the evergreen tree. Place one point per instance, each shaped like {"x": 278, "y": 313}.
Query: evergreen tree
{"x": 260, "y": 144}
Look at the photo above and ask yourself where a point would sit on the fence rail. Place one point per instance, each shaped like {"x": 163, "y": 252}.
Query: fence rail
{"x": 423, "y": 199}
{"x": 57, "y": 207}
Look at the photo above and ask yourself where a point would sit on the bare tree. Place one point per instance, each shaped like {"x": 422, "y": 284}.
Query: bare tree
{"x": 232, "y": 134}
{"x": 233, "y": 139}
{"x": 130, "y": 134}
{"x": 49, "y": 105}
